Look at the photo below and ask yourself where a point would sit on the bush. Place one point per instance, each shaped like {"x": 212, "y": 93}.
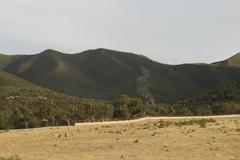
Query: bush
{"x": 202, "y": 122}
{"x": 11, "y": 158}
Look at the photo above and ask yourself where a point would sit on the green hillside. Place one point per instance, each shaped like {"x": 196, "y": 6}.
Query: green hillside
{"x": 24, "y": 105}
{"x": 105, "y": 74}
{"x": 4, "y": 59}
{"x": 7, "y": 79}
{"x": 233, "y": 61}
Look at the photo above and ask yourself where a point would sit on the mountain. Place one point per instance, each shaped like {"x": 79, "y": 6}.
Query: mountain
{"x": 105, "y": 74}
{"x": 28, "y": 85}
{"x": 233, "y": 61}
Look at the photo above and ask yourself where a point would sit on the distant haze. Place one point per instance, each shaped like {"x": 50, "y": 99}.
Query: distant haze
{"x": 169, "y": 31}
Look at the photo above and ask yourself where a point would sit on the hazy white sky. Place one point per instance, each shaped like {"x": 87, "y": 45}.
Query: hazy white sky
{"x": 169, "y": 31}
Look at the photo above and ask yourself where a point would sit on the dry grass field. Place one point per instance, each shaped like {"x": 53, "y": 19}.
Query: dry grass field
{"x": 213, "y": 139}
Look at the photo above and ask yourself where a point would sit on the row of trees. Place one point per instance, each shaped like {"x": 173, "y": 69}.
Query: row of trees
{"x": 39, "y": 114}
{"x": 27, "y": 108}
{"x": 224, "y": 99}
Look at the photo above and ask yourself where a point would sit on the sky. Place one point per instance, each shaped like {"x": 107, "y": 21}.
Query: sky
{"x": 168, "y": 31}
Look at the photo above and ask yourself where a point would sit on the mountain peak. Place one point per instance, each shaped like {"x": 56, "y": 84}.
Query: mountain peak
{"x": 104, "y": 50}
{"x": 111, "y": 51}
{"x": 50, "y": 51}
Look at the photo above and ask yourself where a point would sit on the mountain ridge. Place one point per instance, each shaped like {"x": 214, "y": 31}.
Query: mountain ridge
{"x": 104, "y": 74}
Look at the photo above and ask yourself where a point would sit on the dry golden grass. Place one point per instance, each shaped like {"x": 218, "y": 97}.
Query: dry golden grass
{"x": 147, "y": 140}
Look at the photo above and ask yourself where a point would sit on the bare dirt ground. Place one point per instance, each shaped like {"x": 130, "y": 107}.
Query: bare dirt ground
{"x": 144, "y": 139}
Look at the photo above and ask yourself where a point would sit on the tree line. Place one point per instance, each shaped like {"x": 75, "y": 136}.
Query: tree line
{"x": 22, "y": 107}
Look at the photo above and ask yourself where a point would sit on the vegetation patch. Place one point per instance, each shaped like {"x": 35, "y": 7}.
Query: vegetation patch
{"x": 238, "y": 129}
{"x": 11, "y": 158}
{"x": 202, "y": 122}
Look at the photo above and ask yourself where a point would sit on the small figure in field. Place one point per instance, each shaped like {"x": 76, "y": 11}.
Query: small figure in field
{"x": 66, "y": 135}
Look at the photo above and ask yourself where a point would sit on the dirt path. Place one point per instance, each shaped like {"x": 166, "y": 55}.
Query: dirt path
{"x": 155, "y": 118}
